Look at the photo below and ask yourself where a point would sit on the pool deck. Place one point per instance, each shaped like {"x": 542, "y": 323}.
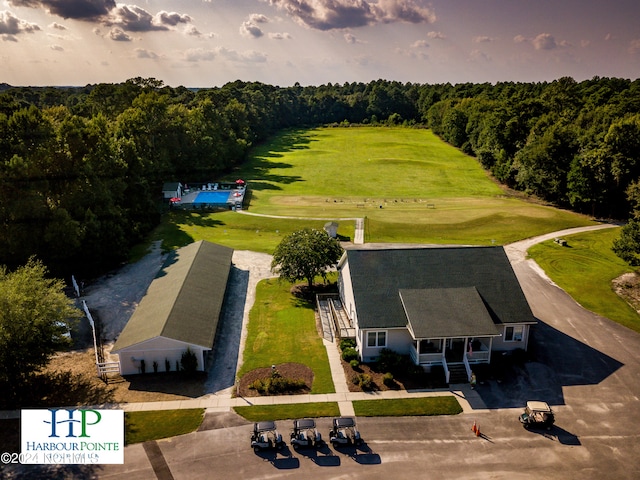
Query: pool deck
{"x": 235, "y": 198}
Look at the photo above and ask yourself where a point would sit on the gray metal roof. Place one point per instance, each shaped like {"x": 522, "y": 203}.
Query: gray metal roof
{"x": 377, "y": 276}
{"x": 184, "y": 300}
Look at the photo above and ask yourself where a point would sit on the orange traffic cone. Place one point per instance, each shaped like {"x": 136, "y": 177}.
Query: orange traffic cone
{"x": 478, "y": 431}
{"x": 474, "y": 428}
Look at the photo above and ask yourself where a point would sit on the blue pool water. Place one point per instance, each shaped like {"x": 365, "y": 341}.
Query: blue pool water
{"x": 215, "y": 197}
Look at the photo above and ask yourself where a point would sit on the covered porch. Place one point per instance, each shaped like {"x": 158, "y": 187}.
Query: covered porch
{"x": 452, "y": 352}
{"x": 450, "y": 327}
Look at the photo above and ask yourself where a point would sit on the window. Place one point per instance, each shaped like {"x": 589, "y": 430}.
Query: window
{"x": 514, "y": 334}
{"x": 376, "y": 339}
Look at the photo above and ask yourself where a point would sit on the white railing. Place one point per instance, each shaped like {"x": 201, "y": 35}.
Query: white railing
{"x": 481, "y": 356}
{"x": 447, "y": 373}
{"x": 430, "y": 358}
{"x": 467, "y": 367}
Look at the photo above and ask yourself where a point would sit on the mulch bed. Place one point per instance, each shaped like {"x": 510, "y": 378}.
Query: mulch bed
{"x": 294, "y": 371}
{"x": 400, "y": 382}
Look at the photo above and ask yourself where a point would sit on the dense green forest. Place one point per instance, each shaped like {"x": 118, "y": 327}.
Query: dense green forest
{"x": 81, "y": 168}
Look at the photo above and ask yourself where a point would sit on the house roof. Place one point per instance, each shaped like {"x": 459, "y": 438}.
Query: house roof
{"x": 378, "y": 276}
{"x": 447, "y": 312}
{"x": 184, "y": 300}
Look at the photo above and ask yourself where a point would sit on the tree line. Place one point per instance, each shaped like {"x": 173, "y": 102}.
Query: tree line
{"x": 81, "y": 168}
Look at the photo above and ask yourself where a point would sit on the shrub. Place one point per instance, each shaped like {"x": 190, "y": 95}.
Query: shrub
{"x": 390, "y": 361}
{"x": 276, "y": 384}
{"x": 354, "y": 363}
{"x": 189, "y": 362}
{"x": 364, "y": 381}
{"x": 155, "y": 367}
{"x": 167, "y": 365}
{"x": 346, "y": 343}
{"x": 143, "y": 366}
{"x": 349, "y": 354}
{"x": 387, "y": 379}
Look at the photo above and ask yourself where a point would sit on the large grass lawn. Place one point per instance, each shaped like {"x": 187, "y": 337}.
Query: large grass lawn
{"x": 585, "y": 270}
{"x": 429, "y": 193}
{"x": 282, "y": 329}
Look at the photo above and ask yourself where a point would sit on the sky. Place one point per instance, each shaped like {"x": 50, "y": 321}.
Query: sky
{"x": 207, "y": 43}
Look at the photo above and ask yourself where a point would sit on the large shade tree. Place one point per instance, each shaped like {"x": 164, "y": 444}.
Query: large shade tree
{"x": 305, "y": 254}
{"x": 35, "y": 315}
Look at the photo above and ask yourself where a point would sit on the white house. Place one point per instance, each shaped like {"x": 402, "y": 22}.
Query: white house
{"x": 172, "y": 190}
{"x": 442, "y": 306}
{"x": 180, "y": 310}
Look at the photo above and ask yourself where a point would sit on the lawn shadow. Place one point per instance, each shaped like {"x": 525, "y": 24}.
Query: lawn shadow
{"x": 555, "y": 360}
{"x": 51, "y": 389}
{"x": 175, "y": 383}
{"x": 259, "y": 172}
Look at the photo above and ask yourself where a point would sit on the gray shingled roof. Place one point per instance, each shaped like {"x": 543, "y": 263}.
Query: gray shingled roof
{"x": 447, "y": 312}
{"x": 184, "y": 300}
{"x": 378, "y": 276}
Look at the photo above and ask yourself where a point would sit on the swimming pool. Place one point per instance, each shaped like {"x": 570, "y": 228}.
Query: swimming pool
{"x": 213, "y": 198}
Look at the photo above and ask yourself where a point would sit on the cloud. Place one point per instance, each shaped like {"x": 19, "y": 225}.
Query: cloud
{"x": 11, "y": 25}
{"x": 280, "y": 36}
{"x": 250, "y": 28}
{"x": 144, "y": 53}
{"x": 634, "y": 46}
{"x": 544, "y": 41}
{"x": 482, "y": 39}
{"x": 420, "y": 44}
{"x": 56, "y": 48}
{"x": 351, "y": 38}
{"x": 171, "y": 18}
{"x": 338, "y": 14}
{"x": 131, "y": 18}
{"x": 436, "y": 35}
{"x": 520, "y": 39}
{"x": 199, "y": 55}
{"x": 57, "y": 26}
{"x": 76, "y": 9}
{"x": 118, "y": 35}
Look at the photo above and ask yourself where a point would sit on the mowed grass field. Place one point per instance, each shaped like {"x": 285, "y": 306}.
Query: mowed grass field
{"x": 410, "y": 186}
{"x": 585, "y": 270}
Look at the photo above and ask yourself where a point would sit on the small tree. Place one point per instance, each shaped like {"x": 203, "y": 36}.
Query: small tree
{"x": 35, "y": 315}
{"x": 305, "y": 254}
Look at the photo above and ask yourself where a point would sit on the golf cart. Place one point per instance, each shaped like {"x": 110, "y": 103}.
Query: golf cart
{"x": 344, "y": 432}
{"x": 305, "y": 434}
{"x": 265, "y": 435}
{"x": 537, "y": 415}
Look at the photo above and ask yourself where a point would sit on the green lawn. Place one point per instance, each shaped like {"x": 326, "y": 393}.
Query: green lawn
{"x": 405, "y": 407}
{"x": 282, "y": 329}
{"x": 156, "y": 424}
{"x": 258, "y": 413}
{"x": 585, "y": 269}
{"x": 429, "y": 193}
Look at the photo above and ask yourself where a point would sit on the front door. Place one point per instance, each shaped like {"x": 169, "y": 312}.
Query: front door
{"x": 455, "y": 350}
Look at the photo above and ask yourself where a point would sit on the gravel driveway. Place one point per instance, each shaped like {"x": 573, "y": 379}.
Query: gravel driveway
{"x": 114, "y": 297}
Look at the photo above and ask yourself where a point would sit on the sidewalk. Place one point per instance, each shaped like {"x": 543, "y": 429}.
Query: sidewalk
{"x": 223, "y": 401}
